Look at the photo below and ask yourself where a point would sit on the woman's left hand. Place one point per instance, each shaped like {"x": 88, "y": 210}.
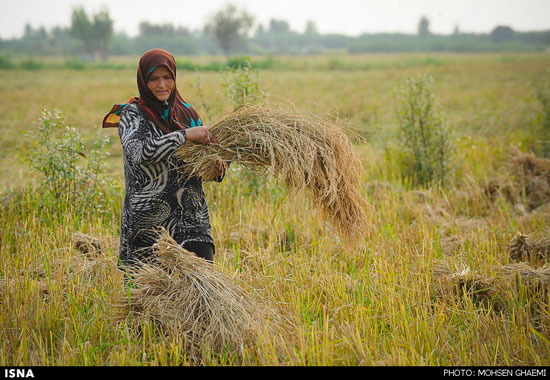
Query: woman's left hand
{"x": 221, "y": 168}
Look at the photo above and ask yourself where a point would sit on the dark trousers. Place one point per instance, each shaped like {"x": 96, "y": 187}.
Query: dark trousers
{"x": 201, "y": 249}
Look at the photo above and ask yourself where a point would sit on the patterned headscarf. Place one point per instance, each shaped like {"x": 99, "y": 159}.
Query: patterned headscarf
{"x": 168, "y": 116}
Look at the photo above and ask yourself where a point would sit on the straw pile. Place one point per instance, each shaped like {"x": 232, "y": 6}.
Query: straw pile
{"x": 307, "y": 153}
{"x": 533, "y": 177}
{"x": 490, "y": 288}
{"x": 529, "y": 247}
{"x": 191, "y": 299}
{"x": 526, "y": 180}
{"x": 449, "y": 284}
{"x": 94, "y": 246}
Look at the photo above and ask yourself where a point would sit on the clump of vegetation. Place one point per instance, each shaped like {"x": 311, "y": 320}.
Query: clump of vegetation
{"x": 543, "y": 95}
{"x": 525, "y": 180}
{"x": 66, "y": 183}
{"x": 242, "y": 83}
{"x": 6, "y": 63}
{"x": 425, "y": 135}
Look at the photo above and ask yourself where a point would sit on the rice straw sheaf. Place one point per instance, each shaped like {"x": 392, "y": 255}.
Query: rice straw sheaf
{"x": 193, "y": 300}
{"x": 306, "y": 152}
{"x": 529, "y": 247}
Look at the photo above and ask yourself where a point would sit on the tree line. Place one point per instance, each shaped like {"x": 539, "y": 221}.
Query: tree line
{"x": 233, "y": 31}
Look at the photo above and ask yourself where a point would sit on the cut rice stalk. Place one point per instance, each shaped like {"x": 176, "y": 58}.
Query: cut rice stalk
{"x": 306, "y": 152}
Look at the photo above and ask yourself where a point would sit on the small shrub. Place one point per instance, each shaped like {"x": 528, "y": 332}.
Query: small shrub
{"x": 425, "y": 135}
{"x": 66, "y": 184}
{"x": 543, "y": 95}
{"x": 242, "y": 82}
{"x": 31, "y": 64}
{"x": 242, "y": 85}
{"x": 5, "y": 63}
{"x": 75, "y": 64}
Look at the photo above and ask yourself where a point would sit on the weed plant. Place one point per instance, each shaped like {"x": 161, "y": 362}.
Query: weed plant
{"x": 425, "y": 135}
{"x": 543, "y": 95}
{"x": 242, "y": 83}
{"x": 71, "y": 180}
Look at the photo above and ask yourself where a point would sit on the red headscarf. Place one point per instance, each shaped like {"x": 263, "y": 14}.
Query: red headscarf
{"x": 168, "y": 116}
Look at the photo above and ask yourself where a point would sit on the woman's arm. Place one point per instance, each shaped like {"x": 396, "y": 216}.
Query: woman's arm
{"x": 138, "y": 141}
{"x": 142, "y": 147}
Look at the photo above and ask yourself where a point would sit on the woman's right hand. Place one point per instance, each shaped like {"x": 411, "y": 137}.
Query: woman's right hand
{"x": 200, "y": 135}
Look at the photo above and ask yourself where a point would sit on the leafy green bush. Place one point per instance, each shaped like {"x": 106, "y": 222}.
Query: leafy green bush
{"x": 543, "y": 95}
{"x": 75, "y": 64}
{"x": 31, "y": 64}
{"x": 242, "y": 83}
{"x": 70, "y": 181}
{"x": 425, "y": 135}
{"x": 5, "y": 63}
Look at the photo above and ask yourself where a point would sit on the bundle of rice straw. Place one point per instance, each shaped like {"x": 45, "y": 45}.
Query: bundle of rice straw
{"x": 528, "y": 247}
{"x": 525, "y": 272}
{"x": 308, "y": 153}
{"x": 193, "y": 300}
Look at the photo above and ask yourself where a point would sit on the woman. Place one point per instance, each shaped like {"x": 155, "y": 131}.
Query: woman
{"x": 151, "y": 127}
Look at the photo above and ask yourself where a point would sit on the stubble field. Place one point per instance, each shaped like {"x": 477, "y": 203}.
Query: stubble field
{"x": 443, "y": 278}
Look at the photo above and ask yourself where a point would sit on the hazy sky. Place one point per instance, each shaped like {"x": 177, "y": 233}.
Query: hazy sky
{"x": 351, "y": 17}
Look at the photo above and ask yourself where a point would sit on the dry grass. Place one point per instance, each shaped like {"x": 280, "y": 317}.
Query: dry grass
{"x": 306, "y": 152}
{"x": 526, "y": 180}
{"x": 495, "y": 289}
{"x": 529, "y": 247}
{"x": 192, "y": 299}
{"x": 93, "y": 246}
{"x": 377, "y": 305}
{"x": 532, "y": 176}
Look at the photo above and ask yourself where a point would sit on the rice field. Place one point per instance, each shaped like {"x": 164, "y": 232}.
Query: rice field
{"x": 445, "y": 276}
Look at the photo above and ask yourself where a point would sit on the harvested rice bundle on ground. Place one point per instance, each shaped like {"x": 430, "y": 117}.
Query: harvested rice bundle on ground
{"x": 306, "y": 152}
{"x": 192, "y": 299}
{"x": 526, "y": 248}
{"x": 451, "y": 284}
{"x": 524, "y": 181}
{"x": 94, "y": 246}
{"x": 532, "y": 175}
{"x": 527, "y": 273}
{"x": 515, "y": 288}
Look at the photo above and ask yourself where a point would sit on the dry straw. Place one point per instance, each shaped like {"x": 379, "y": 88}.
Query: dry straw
{"x": 306, "y": 152}
{"x": 529, "y": 247}
{"x": 488, "y": 288}
{"x": 193, "y": 300}
{"x": 526, "y": 180}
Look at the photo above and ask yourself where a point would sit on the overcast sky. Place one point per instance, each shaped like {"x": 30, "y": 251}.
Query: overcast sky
{"x": 351, "y": 17}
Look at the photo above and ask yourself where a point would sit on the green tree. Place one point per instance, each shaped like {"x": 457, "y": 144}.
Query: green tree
{"x": 147, "y": 29}
{"x": 103, "y": 31}
{"x": 424, "y": 27}
{"x": 502, "y": 34}
{"x": 82, "y": 29}
{"x": 278, "y": 26}
{"x": 311, "y": 29}
{"x": 95, "y": 32}
{"x": 229, "y": 28}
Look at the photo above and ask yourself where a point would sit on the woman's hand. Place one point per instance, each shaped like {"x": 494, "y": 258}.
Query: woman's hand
{"x": 200, "y": 135}
{"x": 221, "y": 168}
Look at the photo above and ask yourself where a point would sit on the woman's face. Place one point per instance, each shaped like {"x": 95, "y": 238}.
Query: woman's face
{"x": 161, "y": 83}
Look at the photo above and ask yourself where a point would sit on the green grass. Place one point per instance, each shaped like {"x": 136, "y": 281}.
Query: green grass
{"x": 373, "y": 305}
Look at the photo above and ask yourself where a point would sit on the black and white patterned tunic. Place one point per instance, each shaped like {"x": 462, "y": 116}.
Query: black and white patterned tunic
{"x": 157, "y": 195}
